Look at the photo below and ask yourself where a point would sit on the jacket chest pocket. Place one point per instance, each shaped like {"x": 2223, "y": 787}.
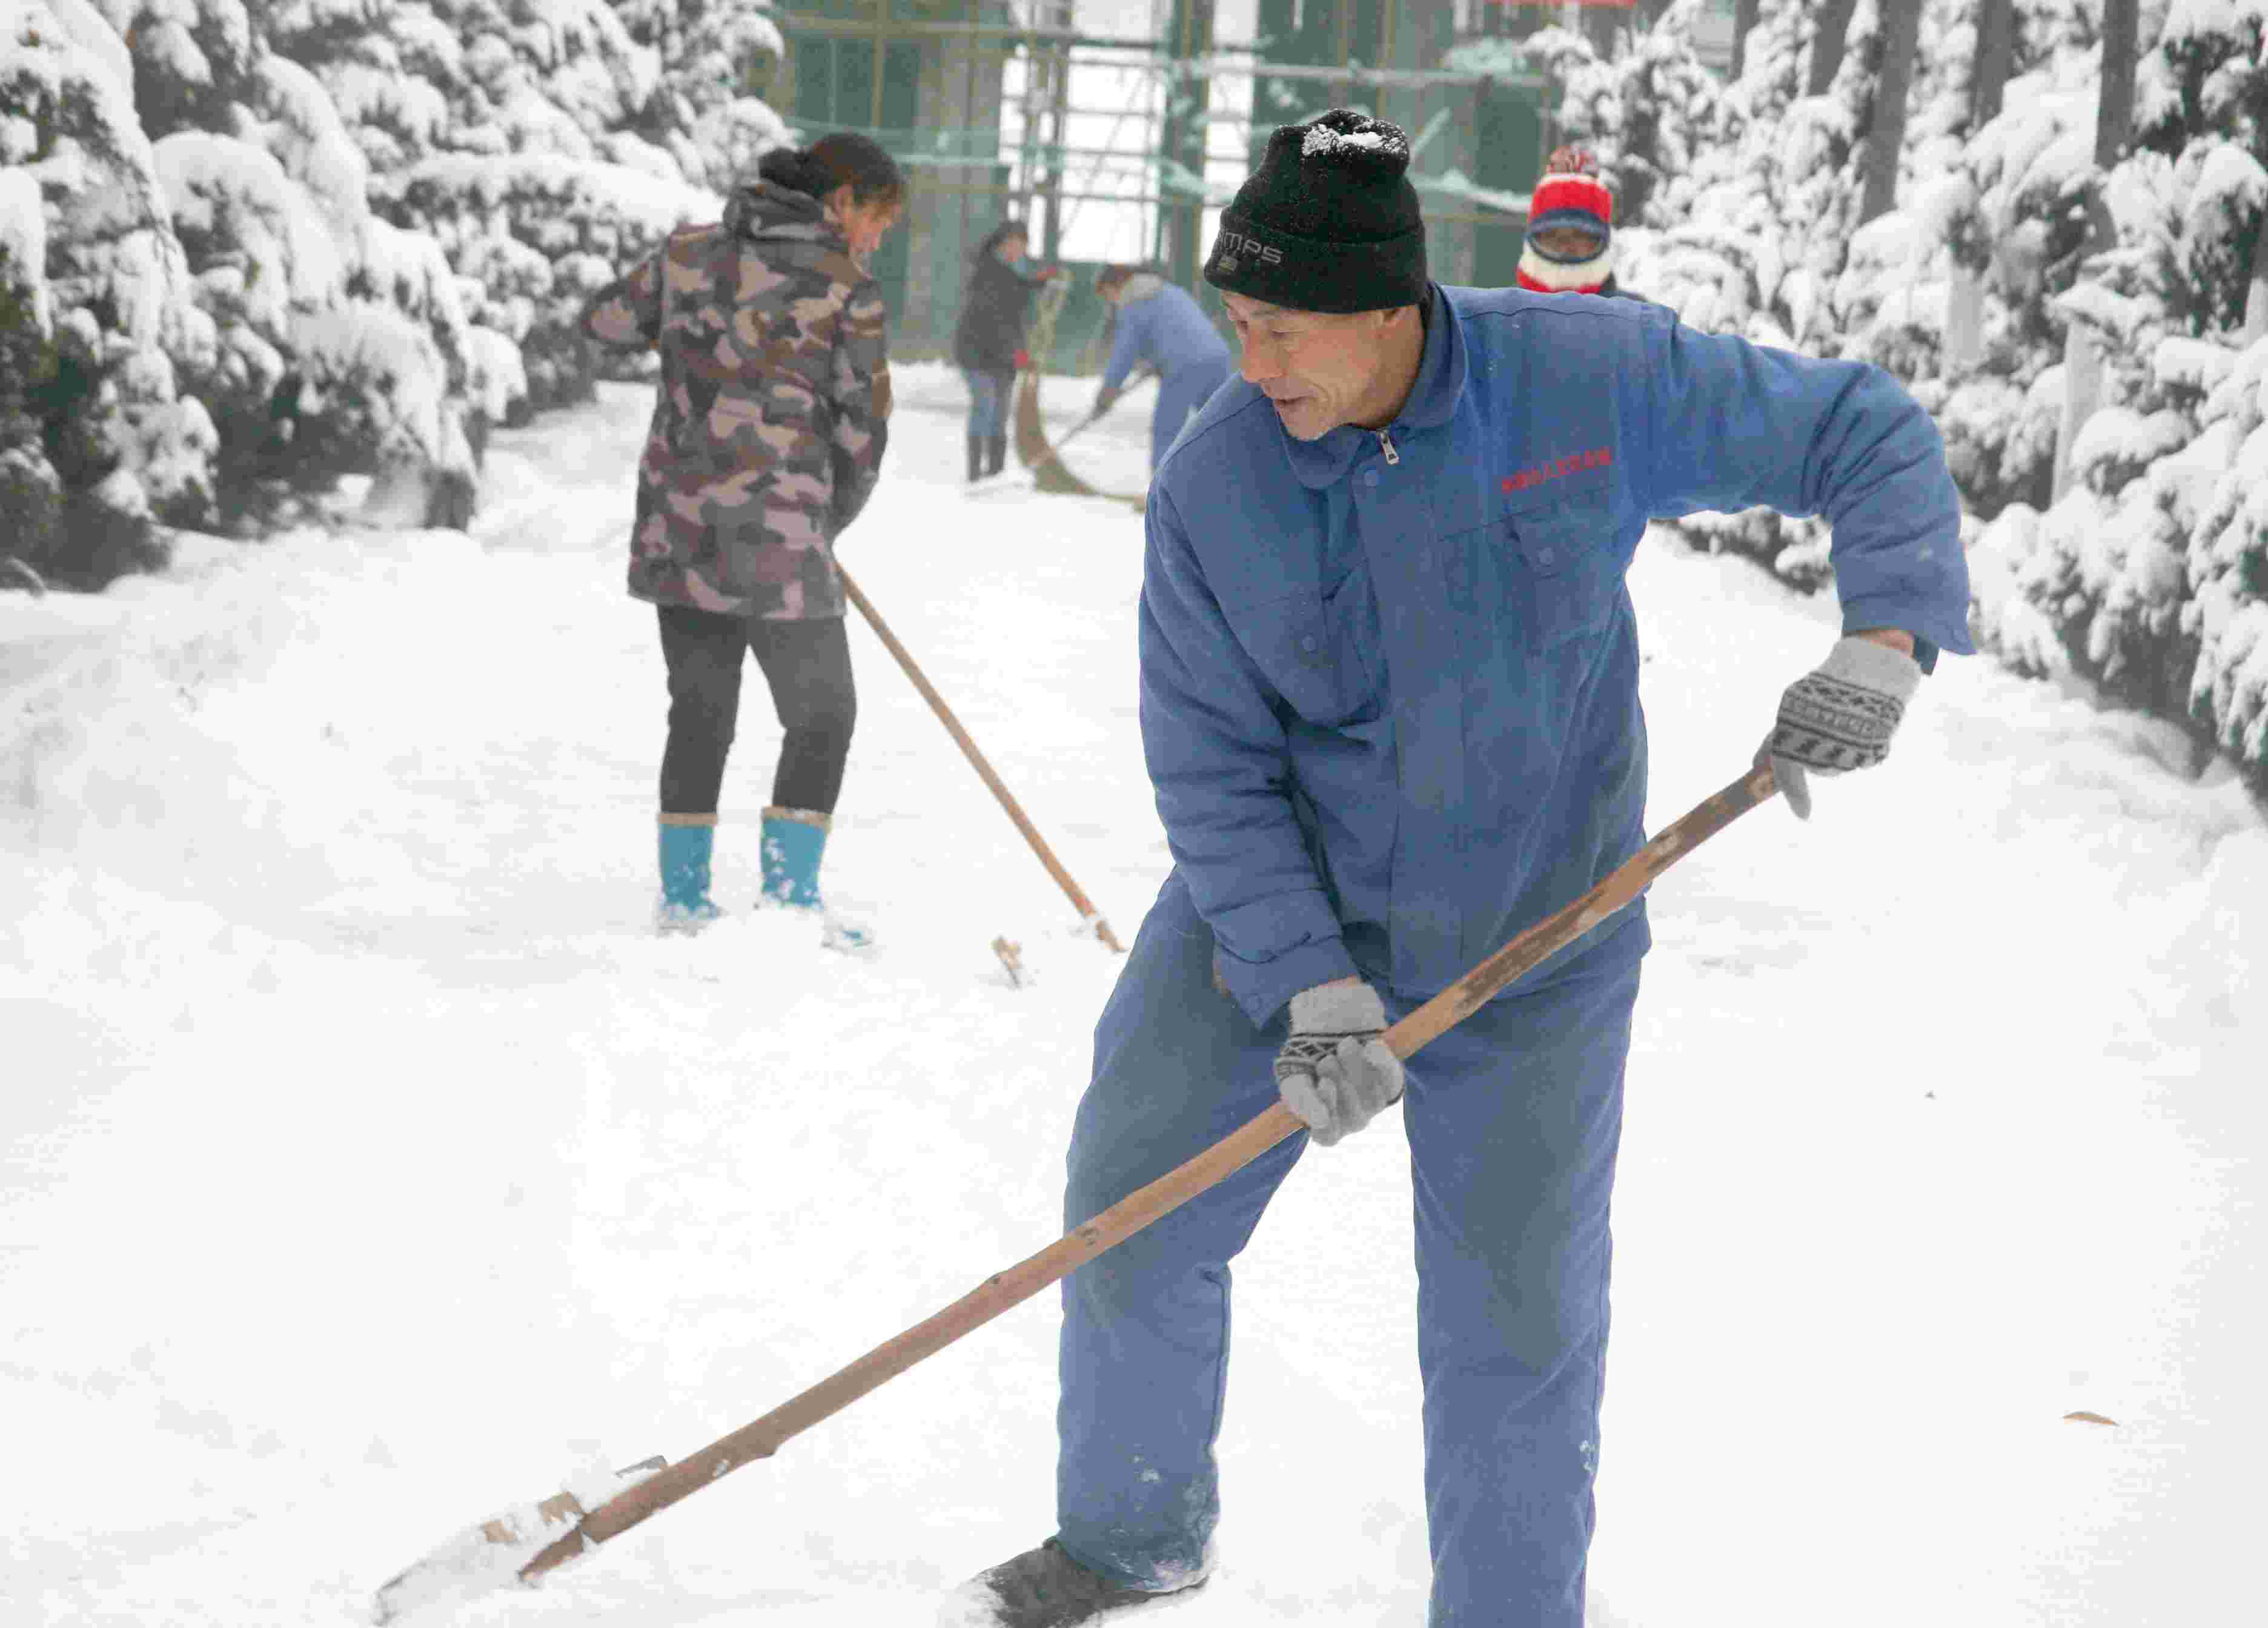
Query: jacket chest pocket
{"x": 1319, "y": 651}
{"x": 1563, "y": 575}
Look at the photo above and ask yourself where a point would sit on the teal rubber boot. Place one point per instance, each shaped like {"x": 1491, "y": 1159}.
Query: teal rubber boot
{"x": 686, "y": 849}
{"x": 795, "y": 841}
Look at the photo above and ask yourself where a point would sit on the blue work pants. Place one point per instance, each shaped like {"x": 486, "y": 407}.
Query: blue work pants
{"x": 1512, "y": 1118}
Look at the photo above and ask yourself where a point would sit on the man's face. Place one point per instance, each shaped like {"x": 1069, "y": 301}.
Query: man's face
{"x": 1316, "y": 366}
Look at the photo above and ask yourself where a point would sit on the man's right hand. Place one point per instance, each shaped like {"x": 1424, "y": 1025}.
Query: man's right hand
{"x": 1105, "y": 399}
{"x": 1335, "y": 1074}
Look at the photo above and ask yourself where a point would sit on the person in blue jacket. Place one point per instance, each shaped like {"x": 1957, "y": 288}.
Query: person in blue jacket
{"x": 1159, "y": 325}
{"x": 1389, "y": 700}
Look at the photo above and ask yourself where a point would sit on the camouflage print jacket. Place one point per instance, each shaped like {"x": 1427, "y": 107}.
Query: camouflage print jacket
{"x": 773, "y": 412}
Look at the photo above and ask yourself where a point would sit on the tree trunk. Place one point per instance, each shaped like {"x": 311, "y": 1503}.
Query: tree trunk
{"x": 1996, "y": 54}
{"x": 1601, "y": 25}
{"x": 1964, "y": 320}
{"x": 1988, "y": 80}
{"x": 1744, "y": 19}
{"x": 2255, "y": 300}
{"x": 1886, "y": 133}
{"x": 2114, "y": 118}
{"x": 2114, "y": 112}
{"x": 1827, "y": 45}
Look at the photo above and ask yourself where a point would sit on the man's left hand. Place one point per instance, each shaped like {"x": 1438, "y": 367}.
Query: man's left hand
{"x": 1334, "y": 1072}
{"x": 1842, "y": 715}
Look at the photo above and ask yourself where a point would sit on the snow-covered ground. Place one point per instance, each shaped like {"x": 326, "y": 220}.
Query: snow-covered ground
{"x": 370, "y": 1166}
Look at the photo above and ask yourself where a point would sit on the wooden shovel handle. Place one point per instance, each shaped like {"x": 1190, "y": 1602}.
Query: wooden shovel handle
{"x": 1561, "y": 928}
{"x": 1080, "y": 901}
{"x": 1131, "y": 1214}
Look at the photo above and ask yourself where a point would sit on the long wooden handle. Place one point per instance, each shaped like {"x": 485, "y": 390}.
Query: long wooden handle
{"x": 1079, "y": 901}
{"x": 1131, "y": 1214}
{"x": 1570, "y": 923}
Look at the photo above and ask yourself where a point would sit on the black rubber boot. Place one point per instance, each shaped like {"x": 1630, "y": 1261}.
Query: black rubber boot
{"x": 975, "y": 457}
{"x": 1043, "y": 1587}
{"x": 996, "y": 454}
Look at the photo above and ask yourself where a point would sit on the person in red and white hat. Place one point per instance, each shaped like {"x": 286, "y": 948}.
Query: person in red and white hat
{"x": 1571, "y": 228}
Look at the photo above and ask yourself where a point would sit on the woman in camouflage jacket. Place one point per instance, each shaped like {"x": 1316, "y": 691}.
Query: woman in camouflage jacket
{"x": 768, "y": 434}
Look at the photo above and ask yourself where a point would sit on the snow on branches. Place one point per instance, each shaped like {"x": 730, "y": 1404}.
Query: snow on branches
{"x": 251, "y": 248}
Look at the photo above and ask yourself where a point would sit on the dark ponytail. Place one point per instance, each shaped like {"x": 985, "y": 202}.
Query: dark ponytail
{"x": 841, "y": 160}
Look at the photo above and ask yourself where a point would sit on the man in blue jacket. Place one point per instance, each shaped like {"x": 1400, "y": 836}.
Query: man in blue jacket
{"x": 1389, "y": 699}
{"x": 1159, "y": 325}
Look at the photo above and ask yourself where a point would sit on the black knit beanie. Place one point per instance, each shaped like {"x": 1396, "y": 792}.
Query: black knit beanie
{"x": 1328, "y": 222}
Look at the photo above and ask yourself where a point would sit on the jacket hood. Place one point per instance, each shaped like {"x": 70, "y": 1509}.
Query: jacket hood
{"x": 763, "y": 209}
{"x": 1140, "y": 287}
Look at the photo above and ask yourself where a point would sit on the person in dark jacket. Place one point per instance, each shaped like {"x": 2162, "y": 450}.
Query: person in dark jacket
{"x": 1159, "y": 326}
{"x": 1388, "y": 682}
{"x": 1570, "y": 247}
{"x": 769, "y": 431}
{"x": 987, "y": 344}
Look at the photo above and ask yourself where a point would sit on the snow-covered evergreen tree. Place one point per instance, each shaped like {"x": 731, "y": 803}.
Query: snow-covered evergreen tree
{"x": 544, "y": 143}
{"x": 98, "y": 438}
{"x": 250, "y": 247}
{"x": 706, "y": 110}
{"x": 1646, "y": 109}
{"x": 2150, "y": 578}
{"x": 341, "y": 343}
{"x": 2151, "y": 573}
{"x": 1757, "y": 231}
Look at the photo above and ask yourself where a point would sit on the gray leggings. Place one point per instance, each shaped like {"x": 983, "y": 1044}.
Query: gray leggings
{"x": 807, "y": 664}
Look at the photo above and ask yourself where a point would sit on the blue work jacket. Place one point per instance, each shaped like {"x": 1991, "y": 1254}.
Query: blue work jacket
{"x": 1169, "y": 330}
{"x": 1389, "y": 687}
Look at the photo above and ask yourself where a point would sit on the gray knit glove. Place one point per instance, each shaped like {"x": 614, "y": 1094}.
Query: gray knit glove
{"x": 1334, "y": 1072}
{"x": 1839, "y": 716}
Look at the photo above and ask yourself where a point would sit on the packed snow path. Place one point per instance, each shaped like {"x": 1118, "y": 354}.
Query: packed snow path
{"x": 370, "y": 1165}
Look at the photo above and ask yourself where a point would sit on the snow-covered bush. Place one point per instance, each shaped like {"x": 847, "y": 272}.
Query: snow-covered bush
{"x": 1647, "y": 111}
{"x": 2228, "y": 568}
{"x": 1755, "y": 230}
{"x": 544, "y": 143}
{"x": 535, "y": 235}
{"x": 2149, "y": 579}
{"x": 31, "y": 494}
{"x": 707, "y": 111}
{"x": 100, "y": 307}
{"x": 2152, "y": 570}
{"x": 338, "y": 343}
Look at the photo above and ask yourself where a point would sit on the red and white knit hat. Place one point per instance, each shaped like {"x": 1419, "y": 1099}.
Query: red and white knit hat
{"x": 1570, "y": 194}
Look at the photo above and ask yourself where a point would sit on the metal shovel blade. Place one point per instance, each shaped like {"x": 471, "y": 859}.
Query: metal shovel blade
{"x": 490, "y": 1554}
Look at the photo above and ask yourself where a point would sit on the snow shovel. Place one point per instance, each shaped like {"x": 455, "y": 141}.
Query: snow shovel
{"x": 506, "y": 1546}
{"x": 1087, "y": 914}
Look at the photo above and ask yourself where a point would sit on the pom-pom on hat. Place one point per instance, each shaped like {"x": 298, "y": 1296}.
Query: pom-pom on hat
{"x": 1328, "y": 222}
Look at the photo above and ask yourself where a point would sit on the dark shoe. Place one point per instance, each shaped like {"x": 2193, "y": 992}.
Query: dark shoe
{"x": 996, "y": 454}
{"x": 1043, "y": 1587}
{"x": 975, "y": 457}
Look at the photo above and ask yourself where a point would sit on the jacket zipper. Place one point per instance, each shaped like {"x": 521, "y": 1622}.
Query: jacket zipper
{"x": 1386, "y": 444}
